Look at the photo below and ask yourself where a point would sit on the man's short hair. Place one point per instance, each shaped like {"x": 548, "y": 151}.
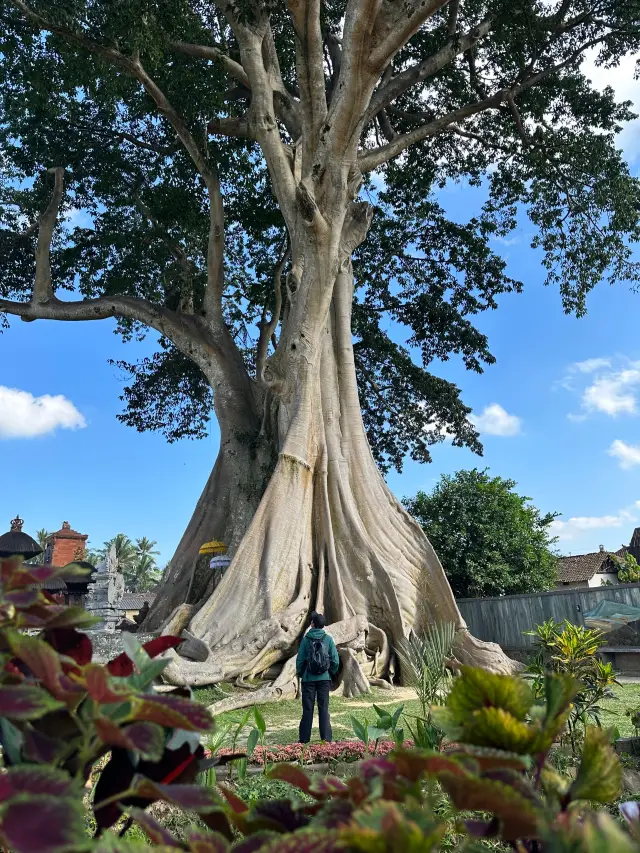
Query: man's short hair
{"x": 317, "y": 620}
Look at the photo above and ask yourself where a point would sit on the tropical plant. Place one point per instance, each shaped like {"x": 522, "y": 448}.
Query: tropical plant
{"x": 425, "y": 663}
{"x": 41, "y": 538}
{"x": 490, "y": 539}
{"x": 628, "y": 568}
{"x": 125, "y": 551}
{"x": 572, "y": 650}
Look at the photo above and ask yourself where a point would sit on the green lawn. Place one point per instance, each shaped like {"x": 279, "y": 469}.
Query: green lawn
{"x": 282, "y": 718}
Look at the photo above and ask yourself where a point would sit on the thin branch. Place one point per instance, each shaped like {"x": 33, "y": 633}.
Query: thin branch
{"x": 452, "y": 23}
{"x": 417, "y": 73}
{"x": 43, "y": 290}
{"x": 268, "y": 328}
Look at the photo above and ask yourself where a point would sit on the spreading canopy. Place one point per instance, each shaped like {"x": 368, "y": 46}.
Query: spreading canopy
{"x": 167, "y": 196}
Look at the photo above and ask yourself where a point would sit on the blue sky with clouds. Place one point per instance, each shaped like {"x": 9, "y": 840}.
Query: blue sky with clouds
{"x": 559, "y": 412}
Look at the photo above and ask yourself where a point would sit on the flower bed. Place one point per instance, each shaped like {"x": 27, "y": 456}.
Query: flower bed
{"x": 317, "y": 753}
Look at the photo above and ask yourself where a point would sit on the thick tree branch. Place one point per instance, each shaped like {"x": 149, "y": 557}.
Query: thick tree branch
{"x": 396, "y": 25}
{"x": 230, "y": 126}
{"x": 262, "y": 115}
{"x": 372, "y": 159}
{"x": 43, "y": 290}
{"x": 403, "y": 81}
{"x": 215, "y": 54}
{"x": 305, "y": 15}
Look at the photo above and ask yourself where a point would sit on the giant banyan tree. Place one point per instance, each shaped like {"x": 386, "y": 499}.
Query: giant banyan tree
{"x": 255, "y": 183}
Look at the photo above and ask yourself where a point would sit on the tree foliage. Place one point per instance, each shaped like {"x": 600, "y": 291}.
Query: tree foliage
{"x": 490, "y": 540}
{"x": 136, "y": 561}
{"x": 485, "y": 91}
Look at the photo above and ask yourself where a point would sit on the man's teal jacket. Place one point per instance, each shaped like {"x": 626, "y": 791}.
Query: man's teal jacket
{"x": 304, "y": 651}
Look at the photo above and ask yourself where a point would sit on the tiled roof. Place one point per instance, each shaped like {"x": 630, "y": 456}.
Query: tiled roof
{"x": 136, "y": 600}
{"x": 582, "y": 567}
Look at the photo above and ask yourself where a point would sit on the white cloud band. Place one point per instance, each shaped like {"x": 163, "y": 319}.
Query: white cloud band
{"x": 24, "y": 416}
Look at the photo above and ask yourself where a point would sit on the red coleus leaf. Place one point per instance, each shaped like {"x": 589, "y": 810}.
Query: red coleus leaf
{"x": 42, "y": 823}
{"x": 26, "y": 702}
{"x": 329, "y": 786}
{"x": 162, "y": 644}
{"x": 192, "y": 797}
{"x": 154, "y": 829}
{"x": 239, "y": 806}
{"x": 121, "y": 667}
{"x": 23, "y": 598}
{"x": 198, "y": 842}
{"x": 32, "y": 779}
{"x": 101, "y": 688}
{"x": 147, "y": 739}
{"x": 42, "y": 749}
{"x": 306, "y": 841}
{"x": 173, "y": 712}
{"x": 291, "y": 774}
{"x": 71, "y": 643}
{"x": 44, "y": 664}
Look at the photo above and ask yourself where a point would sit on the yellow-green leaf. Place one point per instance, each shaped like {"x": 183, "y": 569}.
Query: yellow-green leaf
{"x": 599, "y": 775}
{"x": 477, "y": 688}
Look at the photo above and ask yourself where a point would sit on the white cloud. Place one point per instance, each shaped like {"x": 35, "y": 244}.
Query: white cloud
{"x": 613, "y": 393}
{"x": 627, "y": 454}
{"x": 590, "y": 365}
{"x": 578, "y": 525}
{"x": 495, "y": 420}
{"x": 605, "y": 386}
{"x": 24, "y": 416}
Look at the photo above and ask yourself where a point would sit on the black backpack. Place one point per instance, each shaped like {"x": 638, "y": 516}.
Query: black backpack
{"x": 318, "y": 661}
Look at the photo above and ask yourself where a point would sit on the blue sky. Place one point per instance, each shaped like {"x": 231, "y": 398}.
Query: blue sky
{"x": 559, "y": 413}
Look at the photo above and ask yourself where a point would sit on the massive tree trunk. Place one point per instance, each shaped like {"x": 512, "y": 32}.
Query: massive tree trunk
{"x": 327, "y": 534}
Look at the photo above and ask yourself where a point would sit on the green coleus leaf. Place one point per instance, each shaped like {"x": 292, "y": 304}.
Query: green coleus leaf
{"x": 26, "y": 702}
{"x": 499, "y": 729}
{"x": 43, "y": 823}
{"x": 599, "y": 774}
{"x": 477, "y": 688}
{"x": 488, "y": 758}
{"x": 519, "y": 816}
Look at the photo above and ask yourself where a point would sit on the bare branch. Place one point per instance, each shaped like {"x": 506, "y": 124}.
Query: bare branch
{"x": 215, "y": 54}
{"x": 43, "y": 290}
{"x": 430, "y": 66}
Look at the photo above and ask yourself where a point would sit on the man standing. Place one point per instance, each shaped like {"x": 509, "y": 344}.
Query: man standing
{"x": 317, "y": 661}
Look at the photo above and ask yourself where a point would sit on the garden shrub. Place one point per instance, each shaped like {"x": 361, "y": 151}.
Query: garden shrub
{"x": 65, "y": 717}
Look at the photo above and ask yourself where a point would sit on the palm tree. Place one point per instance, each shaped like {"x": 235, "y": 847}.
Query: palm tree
{"x": 41, "y": 537}
{"x": 144, "y": 547}
{"x": 126, "y": 553}
{"x": 144, "y": 575}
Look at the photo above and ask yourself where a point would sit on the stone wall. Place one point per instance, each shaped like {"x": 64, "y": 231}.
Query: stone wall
{"x": 108, "y": 645}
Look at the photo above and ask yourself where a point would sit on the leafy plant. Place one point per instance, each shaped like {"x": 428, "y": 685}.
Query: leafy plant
{"x": 572, "y": 650}
{"x": 628, "y": 568}
{"x": 384, "y": 727}
{"x": 424, "y": 662}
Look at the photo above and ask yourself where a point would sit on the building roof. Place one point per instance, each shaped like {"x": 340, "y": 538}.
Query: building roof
{"x": 582, "y": 567}
{"x": 17, "y": 543}
{"x": 136, "y": 600}
{"x": 66, "y": 532}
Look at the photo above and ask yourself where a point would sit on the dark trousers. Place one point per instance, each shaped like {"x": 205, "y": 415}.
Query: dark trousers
{"x": 310, "y": 691}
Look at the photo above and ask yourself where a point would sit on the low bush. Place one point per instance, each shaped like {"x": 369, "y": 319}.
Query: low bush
{"x": 317, "y": 753}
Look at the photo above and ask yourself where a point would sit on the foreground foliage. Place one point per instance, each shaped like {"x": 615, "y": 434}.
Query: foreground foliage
{"x": 65, "y": 717}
